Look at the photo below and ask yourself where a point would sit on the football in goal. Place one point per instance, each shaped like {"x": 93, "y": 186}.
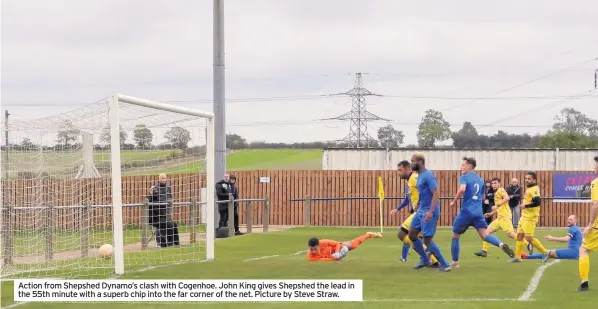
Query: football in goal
{"x": 126, "y": 175}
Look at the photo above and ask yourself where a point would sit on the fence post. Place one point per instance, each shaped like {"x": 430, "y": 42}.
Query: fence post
{"x": 307, "y": 211}
{"x": 49, "y": 231}
{"x": 231, "y": 215}
{"x": 192, "y": 221}
{"x": 145, "y": 226}
{"x": 84, "y": 230}
{"x": 7, "y": 234}
{"x": 249, "y": 217}
{"x": 169, "y": 206}
{"x": 266, "y": 219}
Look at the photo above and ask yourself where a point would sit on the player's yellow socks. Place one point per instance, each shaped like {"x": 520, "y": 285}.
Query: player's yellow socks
{"x": 519, "y": 248}
{"x": 584, "y": 267}
{"x": 409, "y": 242}
{"x": 485, "y": 246}
{"x": 536, "y": 243}
{"x": 433, "y": 259}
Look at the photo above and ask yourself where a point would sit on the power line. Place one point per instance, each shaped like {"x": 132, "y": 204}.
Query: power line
{"x": 321, "y": 96}
{"x": 525, "y": 83}
{"x": 321, "y": 122}
{"x": 584, "y": 93}
{"x": 358, "y": 115}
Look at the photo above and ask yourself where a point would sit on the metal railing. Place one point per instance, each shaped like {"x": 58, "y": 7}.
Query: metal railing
{"x": 248, "y": 213}
{"x": 307, "y": 200}
{"x": 9, "y": 215}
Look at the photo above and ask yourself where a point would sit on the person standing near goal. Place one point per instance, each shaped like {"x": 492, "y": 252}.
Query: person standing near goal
{"x": 235, "y": 192}
{"x": 223, "y": 191}
{"x": 167, "y": 231}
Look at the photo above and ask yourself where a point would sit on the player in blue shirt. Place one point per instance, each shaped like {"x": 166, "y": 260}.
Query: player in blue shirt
{"x": 472, "y": 187}
{"x": 406, "y": 202}
{"x": 574, "y": 238}
{"x": 427, "y": 215}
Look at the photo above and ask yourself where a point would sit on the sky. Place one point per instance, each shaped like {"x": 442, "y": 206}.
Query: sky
{"x": 505, "y": 65}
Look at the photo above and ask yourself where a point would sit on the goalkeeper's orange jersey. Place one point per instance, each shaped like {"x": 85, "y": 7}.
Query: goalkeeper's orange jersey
{"x": 325, "y": 251}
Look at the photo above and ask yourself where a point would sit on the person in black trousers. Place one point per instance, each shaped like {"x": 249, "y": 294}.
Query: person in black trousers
{"x": 489, "y": 202}
{"x": 223, "y": 189}
{"x": 235, "y": 191}
{"x": 514, "y": 192}
{"x": 167, "y": 231}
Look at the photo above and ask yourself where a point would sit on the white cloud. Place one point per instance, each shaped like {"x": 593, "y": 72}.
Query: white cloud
{"x": 67, "y": 51}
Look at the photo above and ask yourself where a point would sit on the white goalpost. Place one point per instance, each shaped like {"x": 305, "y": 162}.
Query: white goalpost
{"x": 125, "y": 173}
{"x": 115, "y": 126}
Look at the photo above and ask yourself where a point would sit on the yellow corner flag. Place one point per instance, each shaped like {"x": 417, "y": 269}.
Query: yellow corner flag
{"x": 381, "y": 198}
{"x": 380, "y": 189}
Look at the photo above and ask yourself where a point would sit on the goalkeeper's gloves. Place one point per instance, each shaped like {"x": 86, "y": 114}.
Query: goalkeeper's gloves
{"x": 343, "y": 252}
{"x": 337, "y": 255}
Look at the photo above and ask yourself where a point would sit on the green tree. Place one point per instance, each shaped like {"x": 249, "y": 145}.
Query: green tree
{"x": 143, "y": 136}
{"x": 390, "y": 137}
{"x": 105, "y": 137}
{"x": 68, "y": 133}
{"x": 466, "y": 137}
{"x": 559, "y": 139}
{"x": 179, "y": 137}
{"x": 235, "y": 141}
{"x": 432, "y": 129}
{"x": 571, "y": 120}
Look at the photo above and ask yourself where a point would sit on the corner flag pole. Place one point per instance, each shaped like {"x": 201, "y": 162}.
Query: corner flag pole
{"x": 381, "y": 199}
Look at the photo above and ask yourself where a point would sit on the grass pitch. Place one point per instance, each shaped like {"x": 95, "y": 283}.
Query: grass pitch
{"x": 479, "y": 283}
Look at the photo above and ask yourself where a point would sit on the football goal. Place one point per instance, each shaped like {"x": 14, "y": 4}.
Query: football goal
{"x": 117, "y": 186}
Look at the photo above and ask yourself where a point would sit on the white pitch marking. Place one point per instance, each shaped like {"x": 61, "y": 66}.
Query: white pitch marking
{"x": 15, "y": 305}
{"x": 533, "y": 285}
{"x": 435, "y": 300}
{"x": 261, "y": 258}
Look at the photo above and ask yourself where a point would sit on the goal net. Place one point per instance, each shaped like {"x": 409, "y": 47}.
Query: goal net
{"x": 117, "y": 186}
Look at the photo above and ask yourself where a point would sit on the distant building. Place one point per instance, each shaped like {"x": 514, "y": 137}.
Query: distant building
{"x": 450, "y": 159}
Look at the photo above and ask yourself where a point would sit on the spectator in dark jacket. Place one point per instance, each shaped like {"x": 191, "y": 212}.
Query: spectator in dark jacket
{"x": 514, "y": 192}
{"x": 489, "y": 201}
{"x": 235, "y": 191}
{"x": 223, "y": 189}
{"x": 167, "y": 232}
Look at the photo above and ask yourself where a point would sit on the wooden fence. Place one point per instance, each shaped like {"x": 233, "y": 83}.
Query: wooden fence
{"x": 280, "y": 186}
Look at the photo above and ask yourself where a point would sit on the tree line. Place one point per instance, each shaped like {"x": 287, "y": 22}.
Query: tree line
{"x": 571, "y": 129}
{"x": 70, "y": 137}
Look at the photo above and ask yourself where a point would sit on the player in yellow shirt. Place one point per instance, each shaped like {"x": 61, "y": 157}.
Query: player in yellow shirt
{"x": 504, "y": 220}
{"x": 590, "y": 235}
{"x": 530, "y": 214}
{"x": 412, "y": 197}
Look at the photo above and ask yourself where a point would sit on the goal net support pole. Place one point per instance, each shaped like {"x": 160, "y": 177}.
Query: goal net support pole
{"x": 88, "y": 168}
{"x": 115, "y": 144}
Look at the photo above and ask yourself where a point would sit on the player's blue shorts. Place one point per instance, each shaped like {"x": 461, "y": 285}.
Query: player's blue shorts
{"x": 567, "y": 254}
{"x": 427, "y": 228}
{"x": 464, "y": 220}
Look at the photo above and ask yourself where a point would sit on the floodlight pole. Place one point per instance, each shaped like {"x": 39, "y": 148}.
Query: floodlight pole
{"x": 7, "y": 147}
{"x": 218, "y": 92}
{"x": 219, "y": 97}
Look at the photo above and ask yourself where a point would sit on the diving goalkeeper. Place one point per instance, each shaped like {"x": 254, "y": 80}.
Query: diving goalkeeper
{"x": 331, "y": 250}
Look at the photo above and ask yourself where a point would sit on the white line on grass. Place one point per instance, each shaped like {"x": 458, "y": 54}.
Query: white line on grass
{"x": 15, "y": 305}
{"x": 533, "y": 285}
{"x": 436, "y": 300}
{"x": 272, "y": 256}
{"x": 261, "y": 258}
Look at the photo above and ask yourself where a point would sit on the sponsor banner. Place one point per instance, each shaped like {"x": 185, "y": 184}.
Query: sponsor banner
{"x": 571, "y": 187}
